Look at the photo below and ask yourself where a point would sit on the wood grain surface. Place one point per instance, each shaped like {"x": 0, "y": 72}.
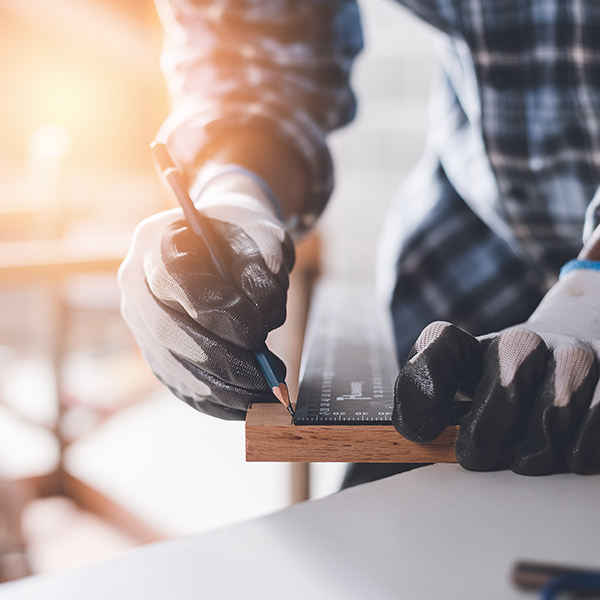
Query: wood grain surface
{"x": 271, "y": 437}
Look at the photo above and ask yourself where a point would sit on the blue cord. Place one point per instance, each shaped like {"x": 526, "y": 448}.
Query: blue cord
{"x": 572, "y": 582}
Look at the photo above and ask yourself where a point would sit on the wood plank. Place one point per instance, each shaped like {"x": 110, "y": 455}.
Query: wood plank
{"x": 271, "y": 437}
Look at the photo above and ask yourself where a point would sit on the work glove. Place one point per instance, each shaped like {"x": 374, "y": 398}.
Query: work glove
{"x": 195, "y": 330}
{"x": 533, "y": 385}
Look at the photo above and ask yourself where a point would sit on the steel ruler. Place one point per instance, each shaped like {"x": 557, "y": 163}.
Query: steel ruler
{"x": 348, "y": 366}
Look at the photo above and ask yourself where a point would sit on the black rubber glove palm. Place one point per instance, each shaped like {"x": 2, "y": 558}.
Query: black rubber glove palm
{"x": 533, "y": 385}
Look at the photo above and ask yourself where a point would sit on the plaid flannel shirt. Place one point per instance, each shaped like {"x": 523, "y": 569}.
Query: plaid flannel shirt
{"x": 513, "y": 161}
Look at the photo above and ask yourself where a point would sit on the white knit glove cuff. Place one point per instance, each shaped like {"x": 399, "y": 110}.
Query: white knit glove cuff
{"x": 236, "y": 196}
{"x": 234, "y": 178}
{"x": 572, "y": 306}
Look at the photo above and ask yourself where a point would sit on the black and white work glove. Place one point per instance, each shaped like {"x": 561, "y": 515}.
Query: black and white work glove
{"x": 533, "y": 385}
{"x": 195, "y": 331}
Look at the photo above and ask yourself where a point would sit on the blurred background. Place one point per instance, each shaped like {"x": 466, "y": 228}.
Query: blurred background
{"x": 94, "y": 453}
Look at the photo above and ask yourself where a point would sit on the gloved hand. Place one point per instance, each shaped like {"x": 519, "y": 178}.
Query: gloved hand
{"x": 196, "y": 331}
{"x": 533, "y": 385}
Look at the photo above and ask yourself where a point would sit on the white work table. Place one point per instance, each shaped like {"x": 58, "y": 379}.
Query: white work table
{"x": 437, "y": 532}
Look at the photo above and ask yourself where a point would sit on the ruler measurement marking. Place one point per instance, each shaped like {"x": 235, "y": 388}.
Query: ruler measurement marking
{"x": 349, "y": 370}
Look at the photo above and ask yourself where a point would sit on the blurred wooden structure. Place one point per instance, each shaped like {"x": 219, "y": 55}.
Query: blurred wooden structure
{"x": 52, "y": 261}
{"x": 14, "y": 563}
{"x": 288, "y": 340}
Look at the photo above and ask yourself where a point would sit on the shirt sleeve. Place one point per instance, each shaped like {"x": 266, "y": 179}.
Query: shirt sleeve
{"x": 279, "y": 66}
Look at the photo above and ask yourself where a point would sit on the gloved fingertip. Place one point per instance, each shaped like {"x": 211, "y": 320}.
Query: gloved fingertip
{"x": 472, "y": 458}
{"x": 535, "y": 453}
{"x": 500, "y": 403}
{"x": 584, "y": 449}
{"x": 474, "y": 463}
{"x": 427, "y": 384}
{"x": 577, "y": 463}
{"x": 417, "y": 429}
{"x": 534, "y": 465}
{"x": 415, "y": 415}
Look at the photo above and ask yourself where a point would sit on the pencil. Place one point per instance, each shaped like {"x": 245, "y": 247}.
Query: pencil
{"x": 173, "y": 181}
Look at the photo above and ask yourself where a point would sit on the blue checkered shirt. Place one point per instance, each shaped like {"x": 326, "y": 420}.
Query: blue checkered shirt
{"x": 499, "y": 201}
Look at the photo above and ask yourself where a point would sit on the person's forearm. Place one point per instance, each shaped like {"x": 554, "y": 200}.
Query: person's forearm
{"x": 272, "y": 160}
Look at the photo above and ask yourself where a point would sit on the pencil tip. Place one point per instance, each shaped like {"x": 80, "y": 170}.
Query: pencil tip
{"x": 285, "y": 393}
{"x": 278, "y": 394}
{"x": 282, "y": 394}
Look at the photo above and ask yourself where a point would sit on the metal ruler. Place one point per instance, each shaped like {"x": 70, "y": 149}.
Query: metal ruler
{"x": 348, "y": 366}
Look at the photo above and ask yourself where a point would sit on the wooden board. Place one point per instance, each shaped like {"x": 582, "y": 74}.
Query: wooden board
{"x": 271, "y": 437}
